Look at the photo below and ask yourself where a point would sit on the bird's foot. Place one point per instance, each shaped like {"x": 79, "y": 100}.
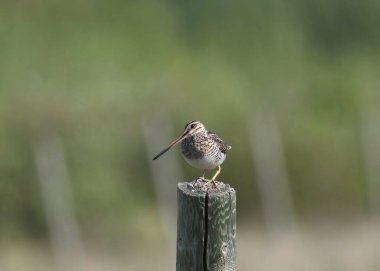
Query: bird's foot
{"x": 200, "y": 181}
{"x": 205, "y": 184}
{"x": 212, "y": 183}
{"x": 203, "y": 179}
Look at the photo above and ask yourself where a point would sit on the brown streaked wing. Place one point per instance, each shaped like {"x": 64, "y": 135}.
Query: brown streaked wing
{"x": 223, "y": 147}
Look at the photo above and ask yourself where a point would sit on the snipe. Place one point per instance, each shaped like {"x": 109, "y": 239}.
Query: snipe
{"x": 200, "y": 148}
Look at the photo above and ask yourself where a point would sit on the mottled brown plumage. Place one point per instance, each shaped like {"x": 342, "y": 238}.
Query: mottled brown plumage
{"x": 201, "y": 148}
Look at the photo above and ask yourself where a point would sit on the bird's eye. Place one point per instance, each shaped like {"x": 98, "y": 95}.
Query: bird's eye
{"x": 192, "y": 126}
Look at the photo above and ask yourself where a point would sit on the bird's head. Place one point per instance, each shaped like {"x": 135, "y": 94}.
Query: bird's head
{"x": 192, "y": 128}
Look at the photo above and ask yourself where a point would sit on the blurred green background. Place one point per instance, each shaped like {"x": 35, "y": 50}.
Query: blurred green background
{"x": 89, "y": 73}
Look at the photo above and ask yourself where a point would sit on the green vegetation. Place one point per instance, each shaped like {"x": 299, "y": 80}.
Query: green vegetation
{"x": 91, "y": 71}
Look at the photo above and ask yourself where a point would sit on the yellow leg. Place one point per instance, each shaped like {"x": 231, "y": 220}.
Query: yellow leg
{"x": 213, "y": 178}
{"x": 217, "y": 173}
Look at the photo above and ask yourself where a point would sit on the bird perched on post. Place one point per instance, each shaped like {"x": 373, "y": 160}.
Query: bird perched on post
{"x": 200, "y": 148}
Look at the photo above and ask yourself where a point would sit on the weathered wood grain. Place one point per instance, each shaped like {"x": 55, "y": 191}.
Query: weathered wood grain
{"x": 221, "y": 230}
{"x": 206, "y": 228}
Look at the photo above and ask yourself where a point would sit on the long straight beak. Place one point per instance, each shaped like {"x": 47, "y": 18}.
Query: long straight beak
{"x": 175, "y": 142}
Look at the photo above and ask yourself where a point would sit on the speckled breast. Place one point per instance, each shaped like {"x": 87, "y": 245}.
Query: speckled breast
{"x": 202, "y": 152}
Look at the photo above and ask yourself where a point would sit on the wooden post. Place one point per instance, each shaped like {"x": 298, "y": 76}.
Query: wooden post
{"x": 206, "y": 228}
